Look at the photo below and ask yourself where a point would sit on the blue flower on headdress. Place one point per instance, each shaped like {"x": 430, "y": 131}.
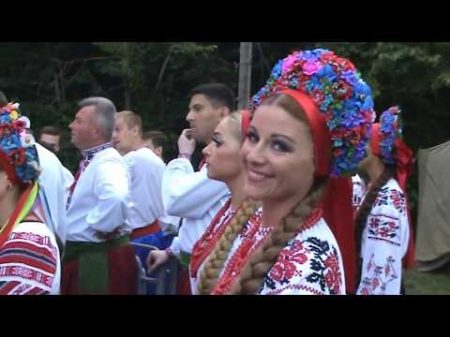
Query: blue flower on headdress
{"x": 327, "y": 72}
{"x": 390, "y": 129}
{"x": 276, "y": 71}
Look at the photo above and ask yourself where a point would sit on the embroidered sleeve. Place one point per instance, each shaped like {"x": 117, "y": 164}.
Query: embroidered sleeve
{"x": 309, "y": 267}
{"x": 383, "y": 245}
{"x": 27, "y": 265}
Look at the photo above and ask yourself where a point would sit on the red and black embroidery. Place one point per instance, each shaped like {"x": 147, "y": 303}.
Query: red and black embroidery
{"x": 377, "y": 277}
{"x": 384, "y": 228}
{"x": 388, "y": 196}
{"x": 398, "y": 200}
{"x": 285, "y": 268}
{"x": 313, "y": 260}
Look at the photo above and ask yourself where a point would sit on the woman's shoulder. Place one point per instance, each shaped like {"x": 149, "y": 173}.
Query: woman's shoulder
{"x": 310, "y": 263}
{"x": 35, "y": 232}
{"x": 36, "y": 227}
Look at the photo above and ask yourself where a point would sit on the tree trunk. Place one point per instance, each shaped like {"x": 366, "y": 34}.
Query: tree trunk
{"x": 126, "y": 74}
{"x": 245, "y": 74}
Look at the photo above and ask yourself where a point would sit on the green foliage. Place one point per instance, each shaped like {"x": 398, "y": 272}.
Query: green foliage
{"x": 154, "y": 79}
{"x": 436, "y": 283}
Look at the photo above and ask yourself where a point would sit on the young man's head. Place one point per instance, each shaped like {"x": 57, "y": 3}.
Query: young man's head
{"x": 94, "y": 123}
{"x": 127, "y": 135}
{"x": 156, "y": 141}
{"x": 209, "y": 104}
{"x": 49, "y": 137}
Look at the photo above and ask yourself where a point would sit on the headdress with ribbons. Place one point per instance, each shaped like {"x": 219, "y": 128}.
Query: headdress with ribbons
{"x": 19, "y": 160}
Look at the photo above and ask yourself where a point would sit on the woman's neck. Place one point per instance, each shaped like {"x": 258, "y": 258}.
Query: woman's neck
{"x": 236, "y": 187}
{"x": 274, "y": 211}
{"x": 7, "y": 206}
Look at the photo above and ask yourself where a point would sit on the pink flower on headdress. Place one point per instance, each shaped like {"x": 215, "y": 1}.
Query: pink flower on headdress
{"x": 289, "y": 62}
{"x": 311, "y": 67}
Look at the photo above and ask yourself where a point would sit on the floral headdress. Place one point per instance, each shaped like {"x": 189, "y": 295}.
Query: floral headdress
{"x": 390, "y": 130}
{"x": 342, "y": 98}
{"x": 18, "y": 154}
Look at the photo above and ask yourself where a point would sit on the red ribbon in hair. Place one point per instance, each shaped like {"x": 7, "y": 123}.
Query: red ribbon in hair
{"x": 375, "y": 139}
{"x": 245, "y": 123}
{"x": 8, "y": 167}
{"x": 337, "y": 200}
{"x": 320, "y": 133}
{"x": 405, "y": 162}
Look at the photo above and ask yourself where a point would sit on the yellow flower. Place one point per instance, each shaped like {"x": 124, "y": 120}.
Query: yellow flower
{"x": 14, "y": 115}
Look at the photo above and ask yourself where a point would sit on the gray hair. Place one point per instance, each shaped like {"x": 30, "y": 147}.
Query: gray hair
{"x": 105, "y": 110}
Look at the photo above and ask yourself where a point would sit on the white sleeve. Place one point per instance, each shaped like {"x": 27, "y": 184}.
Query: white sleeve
{"x": 112, "y": 191}
{"x": 55, "y": 181}
{"x": 384, "y": 244}
{"x": 68, "y": 179}
{"x": 175, "y": 246}
{"x": 189, "y": 194}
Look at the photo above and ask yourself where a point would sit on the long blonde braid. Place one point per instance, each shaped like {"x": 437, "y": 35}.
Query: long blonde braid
{"x": 264, "y": 258}
{"x": 214, "y": 264}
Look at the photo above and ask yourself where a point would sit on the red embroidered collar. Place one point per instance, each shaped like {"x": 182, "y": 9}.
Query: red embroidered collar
{"x": 205, "y": 245}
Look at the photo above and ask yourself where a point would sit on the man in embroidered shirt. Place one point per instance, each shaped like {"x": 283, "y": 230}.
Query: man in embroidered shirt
{"x": 188, "y": 194}
{"x": 98, "y": 258}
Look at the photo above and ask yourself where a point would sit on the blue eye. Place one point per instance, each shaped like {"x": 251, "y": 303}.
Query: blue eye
{"x": 252, "y": 137}
{"x": 280, "y": 146}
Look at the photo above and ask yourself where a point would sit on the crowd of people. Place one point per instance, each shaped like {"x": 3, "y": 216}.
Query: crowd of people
{"x": 302, "y": 193}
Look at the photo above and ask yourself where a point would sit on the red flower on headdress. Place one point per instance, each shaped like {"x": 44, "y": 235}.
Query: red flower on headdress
{"x": 17, "y": 156}
{"x": 342, "y": 90}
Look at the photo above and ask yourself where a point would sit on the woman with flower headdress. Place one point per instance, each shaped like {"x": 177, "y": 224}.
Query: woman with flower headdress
{"x": 29, "y": 255}
{"x": 311, "y": 124}
{"x": 383, "y": 228}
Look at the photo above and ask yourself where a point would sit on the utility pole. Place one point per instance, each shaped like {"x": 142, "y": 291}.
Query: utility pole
{"x": 245, "y": 74}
